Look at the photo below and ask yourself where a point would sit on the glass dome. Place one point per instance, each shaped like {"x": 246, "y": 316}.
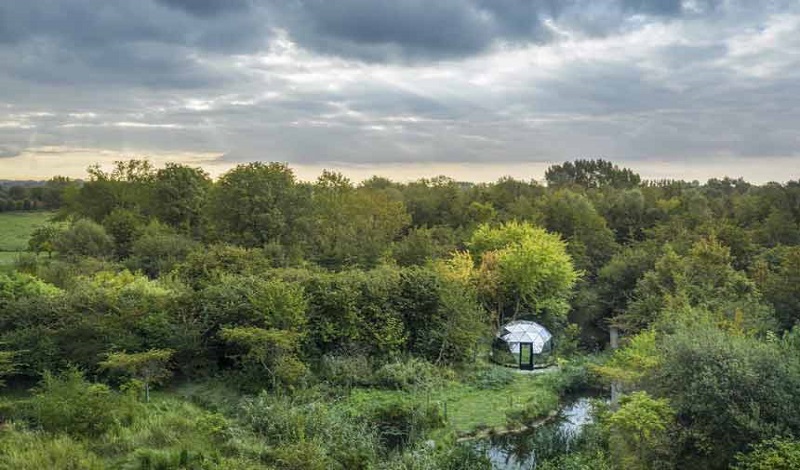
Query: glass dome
{"x": 519, "y": 341}
{"x": 522, "y": 331}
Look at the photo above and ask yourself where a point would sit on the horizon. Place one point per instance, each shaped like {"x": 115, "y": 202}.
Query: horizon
{"x": 466, "y": 172}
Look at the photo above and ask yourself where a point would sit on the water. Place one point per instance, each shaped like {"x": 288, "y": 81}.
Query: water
{"x": 519, "y": 451}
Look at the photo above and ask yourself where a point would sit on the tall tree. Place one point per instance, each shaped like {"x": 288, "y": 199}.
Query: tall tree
{"x": 179, "y": 197}
{"x": 591, "y": 174}
{"x": 523, "y": 269}
{"x": 256, "y": 204}
{"x": 353, "y": 226}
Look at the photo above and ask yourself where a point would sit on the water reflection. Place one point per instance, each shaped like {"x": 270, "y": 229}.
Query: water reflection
{"x": 520, "y": 451}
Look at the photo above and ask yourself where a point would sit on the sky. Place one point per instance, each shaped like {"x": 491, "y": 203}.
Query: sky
{"x": 473, "y": 89}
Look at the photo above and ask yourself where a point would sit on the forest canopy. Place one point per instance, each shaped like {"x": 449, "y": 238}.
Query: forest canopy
{"x": 302, "y": 295}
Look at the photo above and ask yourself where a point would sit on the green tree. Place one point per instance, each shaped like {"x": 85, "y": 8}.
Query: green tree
{"x": 8, "y": 365}
{"x": 126, "y": 186}
{"x": 124, "y": 226}
{"x": 703, "y": 279}
{"x": 523, "y": 268}
{"x": 150, "y": 367}
{"x": 772, "y": 454}
{"x": 639, "y": 432}
{"x": 44, "y": 239}
{"x": 777, "y": 275}
{"x": 179, "y": 197}
{"x": 273, "y": 350}
{"x": 256, "y": 204}
{"x": 159, "y": 251}
{"x": 353, "y": 226}
{"x": 729, "y": 390}
{"x": 84, "y": 238}
{"x": 591, "y": 174}
{"x": 590, "y": 242}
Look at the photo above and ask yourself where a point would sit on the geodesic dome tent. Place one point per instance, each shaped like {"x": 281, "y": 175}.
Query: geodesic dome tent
{"x": 518, "y": 342}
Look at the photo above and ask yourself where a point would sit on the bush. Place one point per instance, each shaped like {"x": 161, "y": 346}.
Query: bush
{"x": 26, "y": 450}
{"x": 346, "y": 442}
{"x": 158, "y": 253}
{"x": 427, "y": 456}
{"x": 84, "y": 238}
{"x": 401, "y": 421}
{"x": 346, "y": 371}
{"x": 493, "y": 378}
{"x": 772, "y": 454}
{"x": 408, "y": 374}
{"x": 70, "y": 404}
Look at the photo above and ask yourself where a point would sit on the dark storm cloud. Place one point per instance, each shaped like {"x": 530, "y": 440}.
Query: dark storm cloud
{"x": 422, "y": 29}
{"x": 143, "y": 42}
{"x": 207, "y": 7}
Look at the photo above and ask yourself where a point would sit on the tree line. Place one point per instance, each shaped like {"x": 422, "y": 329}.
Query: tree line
{"x": 283, "y": 284}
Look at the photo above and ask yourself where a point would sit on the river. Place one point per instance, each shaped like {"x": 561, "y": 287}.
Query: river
{"x": 519, "y": 451}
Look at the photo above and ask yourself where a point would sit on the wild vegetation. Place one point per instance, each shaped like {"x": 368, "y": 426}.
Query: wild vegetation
{"x": 162, "y": 319}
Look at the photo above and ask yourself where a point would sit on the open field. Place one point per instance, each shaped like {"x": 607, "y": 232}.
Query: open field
{"x": 15, "y": 229}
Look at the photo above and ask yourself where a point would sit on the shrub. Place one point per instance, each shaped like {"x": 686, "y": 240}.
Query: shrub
{"x": 493, "y": 378}
{"x": 401, "y": 421}
{"x": 772, "y": 454}
{"x": 346, "y": 371}
{"x": 26, "y": 450}
{"x": 407, "y": 374}
{"x": 347, "y": 442}
{"x": 68, "y": 403}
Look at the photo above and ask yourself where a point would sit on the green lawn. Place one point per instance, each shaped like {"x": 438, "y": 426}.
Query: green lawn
{"x": 15, "y": 229}
{"x": 470, "y": 408}
{"x": 7, "y": 259}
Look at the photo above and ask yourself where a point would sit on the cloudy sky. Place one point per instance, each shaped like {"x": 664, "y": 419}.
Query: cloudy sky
{"x": 475, "y": 89}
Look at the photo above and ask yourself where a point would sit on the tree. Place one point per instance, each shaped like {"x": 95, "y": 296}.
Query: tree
{"x": 179, "y": 196}
{"x": 271, "y": 349}
{"x": 8, "y": 364}
{"x": 772, "y": 454}
{"x": 124, "y": 226}
{"x": 523, "y": 267}
{"x": 590, "y": 242}
{"x": 462, "y": 322}
{"x": 159, "y": 251}
{"x": 777, "y": 275}
{"x": 703, "y": 279}
{"x": 44, "y": 239}
{"x": 127, "y": 186}
{"x": 256, "y": 204}
{"x": 638, "y": 431}
{"x": 150, "y": 367}
{"x": 353, "y": 226}
{"x": 436, "y": 201}
{"x": 591, "y": 174}
{"x": 84, "y": 238}
{"x": 728, "y": 390}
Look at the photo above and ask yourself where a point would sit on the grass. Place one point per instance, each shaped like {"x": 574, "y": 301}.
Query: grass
{"x": 470, "y": 408}
{"x": 15, "y": 230}
{"x": 7, "y": 259}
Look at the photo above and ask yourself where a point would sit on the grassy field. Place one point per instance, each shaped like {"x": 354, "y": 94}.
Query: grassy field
{"x": 470, "y": 408}
{"x": 15, "y": 229}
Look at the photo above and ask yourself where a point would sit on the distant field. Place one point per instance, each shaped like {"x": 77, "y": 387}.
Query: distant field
{"x": 15, "y": 229}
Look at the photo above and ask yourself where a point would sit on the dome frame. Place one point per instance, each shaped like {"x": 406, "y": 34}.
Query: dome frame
{"x": 523, "y": 344}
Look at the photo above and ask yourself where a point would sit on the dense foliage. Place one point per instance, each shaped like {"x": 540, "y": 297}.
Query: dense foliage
{"x": 304, "y": 296}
